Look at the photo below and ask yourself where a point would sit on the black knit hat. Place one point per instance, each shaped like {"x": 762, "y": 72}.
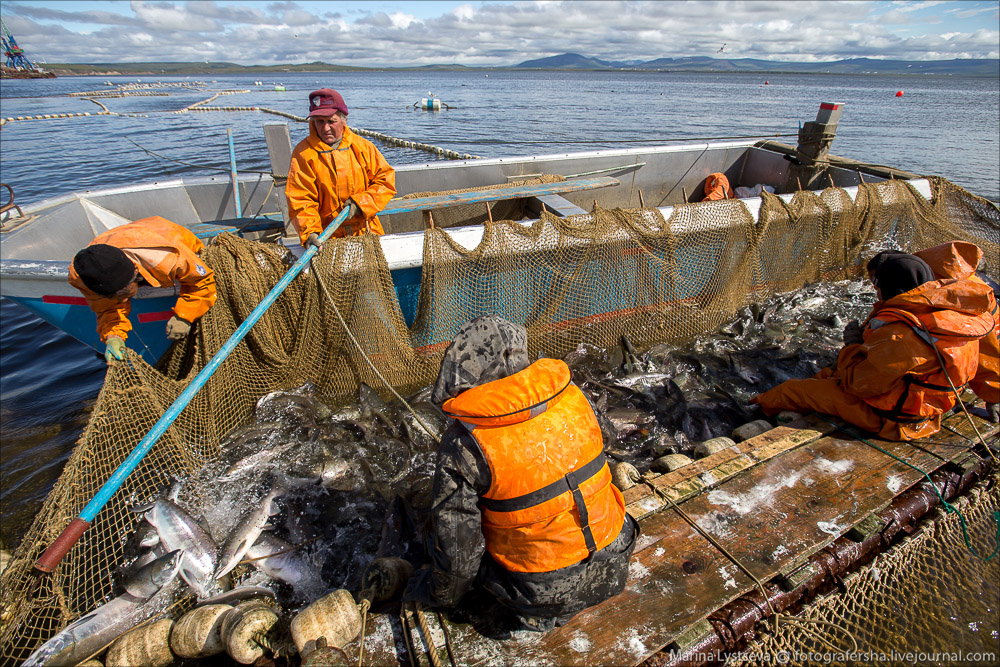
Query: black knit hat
{"x": 899, "y": 272}
{"x": 104, "y": 268}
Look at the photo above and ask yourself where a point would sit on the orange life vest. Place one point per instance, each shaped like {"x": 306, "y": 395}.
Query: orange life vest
{"x": 922, "y": 397}
{"x": 551, "y": 502}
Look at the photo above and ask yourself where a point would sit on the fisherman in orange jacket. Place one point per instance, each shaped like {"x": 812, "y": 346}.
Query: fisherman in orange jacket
{"x": 927, "y": 334}
{"x": 333, "y": 168}
{"x": 523, "y": 506}
{"x": 151, "y": 251}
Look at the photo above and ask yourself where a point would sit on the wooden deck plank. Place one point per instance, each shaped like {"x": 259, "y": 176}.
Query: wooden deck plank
{"x": 770, "y": 515}
{"x": 640, "y": 500}
{"x": 789, "y": 506}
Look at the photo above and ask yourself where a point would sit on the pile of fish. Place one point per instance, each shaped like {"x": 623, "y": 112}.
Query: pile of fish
{"x": 303, "y": 498}
{"x": 673, "y": 397}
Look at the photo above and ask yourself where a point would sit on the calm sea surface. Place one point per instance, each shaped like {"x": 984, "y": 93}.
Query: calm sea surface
{"x": 945, "y": 126}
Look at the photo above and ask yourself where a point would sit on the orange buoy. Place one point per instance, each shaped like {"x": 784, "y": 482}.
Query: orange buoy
{"x": 899, "y": 93}
{"x": 767, "y": 83}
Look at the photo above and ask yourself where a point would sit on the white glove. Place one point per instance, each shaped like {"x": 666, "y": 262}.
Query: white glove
{"x": 177, "y": 328}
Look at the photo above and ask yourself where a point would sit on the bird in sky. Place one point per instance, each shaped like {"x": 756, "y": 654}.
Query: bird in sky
{"x": 723, "y": 46}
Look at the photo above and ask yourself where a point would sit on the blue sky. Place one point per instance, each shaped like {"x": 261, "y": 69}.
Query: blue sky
{"x": 489, "y": 33}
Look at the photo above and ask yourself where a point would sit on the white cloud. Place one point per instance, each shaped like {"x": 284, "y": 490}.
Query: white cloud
{"x": 388, "y": 33}
{"x": 166, "y": 16}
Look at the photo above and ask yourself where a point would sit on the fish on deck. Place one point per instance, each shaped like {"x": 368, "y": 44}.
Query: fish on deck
{"x": 90, "y": 633}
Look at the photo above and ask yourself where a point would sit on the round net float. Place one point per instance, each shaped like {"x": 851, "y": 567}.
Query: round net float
{"x": 386, "y": 577}
{"x": 198, "y": 634}
{"x": 334, "y": 616}
{"x": 245, "y": 628}
{"x": 145, "y": 646}
{"x": 624, "y": 475}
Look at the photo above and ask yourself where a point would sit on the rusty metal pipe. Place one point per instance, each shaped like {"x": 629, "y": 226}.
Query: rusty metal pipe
{"x": 738, "y": 619}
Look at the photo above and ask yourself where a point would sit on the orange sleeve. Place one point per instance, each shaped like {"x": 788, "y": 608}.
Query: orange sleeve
{"x": 382, "y": 183}
{"x": 197, "y": 285}
{"x": 302, "y": 195}
{"x": 876, "y": 366}
{"x": 112, "y": 315}
{"x": 986, "y": 383}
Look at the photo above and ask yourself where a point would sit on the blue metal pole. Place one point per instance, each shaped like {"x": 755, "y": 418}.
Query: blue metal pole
{"x": 232, "y": 170}
{"x": 61, "y": 546}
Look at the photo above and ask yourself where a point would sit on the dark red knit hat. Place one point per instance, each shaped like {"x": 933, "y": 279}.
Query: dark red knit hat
{"x": 326, "y": 102}
{"x": 104, "y": 268}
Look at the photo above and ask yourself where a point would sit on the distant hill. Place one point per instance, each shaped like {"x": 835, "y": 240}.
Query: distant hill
{"x": 566, "y": 61}
{"x": 969, "y": 67}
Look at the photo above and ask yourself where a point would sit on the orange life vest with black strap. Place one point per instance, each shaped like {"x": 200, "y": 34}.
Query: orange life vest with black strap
{"x": 551, "y": 502}
{"x": 923, "y": 397}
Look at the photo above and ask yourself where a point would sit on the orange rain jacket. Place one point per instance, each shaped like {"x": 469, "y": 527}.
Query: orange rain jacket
{"x": 163, "y": 252}
{"x": 717, "y": 187}
{"x": 321, "y": 180}
{"x": 551, "y": 502}
{"x": 959, "y": 260}
{"x": 891, "y": 383}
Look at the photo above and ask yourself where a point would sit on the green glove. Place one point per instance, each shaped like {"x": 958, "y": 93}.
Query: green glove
{"x": 114, "y": 348}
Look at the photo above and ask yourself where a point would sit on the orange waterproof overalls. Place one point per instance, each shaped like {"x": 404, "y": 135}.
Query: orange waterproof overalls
{"x": 551, "y": 502}
{"x": 163, "y": 252}
{"x": 892, "y": 383}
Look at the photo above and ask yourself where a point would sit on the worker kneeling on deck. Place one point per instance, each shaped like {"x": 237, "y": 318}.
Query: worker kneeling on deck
{"x": 334, "y": 168}
{"x": 523, "y": 505}
{"x": 934, "y": 327}
{"x": 151, "y": 251}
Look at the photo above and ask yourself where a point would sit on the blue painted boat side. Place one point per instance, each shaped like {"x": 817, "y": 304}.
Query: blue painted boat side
{"x": 148, "y": 338}
{"x": 407, "y": 284}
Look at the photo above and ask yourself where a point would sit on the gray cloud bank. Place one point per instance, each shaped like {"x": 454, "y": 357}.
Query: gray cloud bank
{"x": 497, "y": 34}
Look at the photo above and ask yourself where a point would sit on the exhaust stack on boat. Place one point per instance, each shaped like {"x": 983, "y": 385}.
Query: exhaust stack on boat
{"x": 809, "y": 165}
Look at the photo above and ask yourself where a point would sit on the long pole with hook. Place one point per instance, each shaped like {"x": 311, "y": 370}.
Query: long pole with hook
{"x": 52, "y": 556}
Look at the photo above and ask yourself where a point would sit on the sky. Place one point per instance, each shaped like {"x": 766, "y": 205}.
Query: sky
{"x": 393, "y": 33}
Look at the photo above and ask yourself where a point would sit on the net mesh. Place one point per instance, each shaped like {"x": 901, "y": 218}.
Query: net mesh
{"x": 583, "y": 279}
{"x": 928, "y": 596}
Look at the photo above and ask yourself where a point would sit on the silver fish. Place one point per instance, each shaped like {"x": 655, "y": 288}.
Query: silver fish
{"x": 256, "y": 461}
{"x": 282, "y": 562}
{"x": 247, "y": 532}
{"x": 179, "y": 530}
{"x": 89, "y": 634}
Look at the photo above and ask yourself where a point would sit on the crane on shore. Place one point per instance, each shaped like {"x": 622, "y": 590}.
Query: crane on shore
{"x": 14, "y": 53}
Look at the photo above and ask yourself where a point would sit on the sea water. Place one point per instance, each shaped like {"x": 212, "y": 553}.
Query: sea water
{"x": 942, "y": 126}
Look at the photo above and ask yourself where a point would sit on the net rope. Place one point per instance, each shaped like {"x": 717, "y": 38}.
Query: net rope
{"x": 587, "y": 278}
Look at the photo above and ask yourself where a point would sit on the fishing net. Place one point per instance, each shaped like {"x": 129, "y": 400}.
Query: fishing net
{"x": 588, "y": 278}
{"x": 916, "y": 603}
